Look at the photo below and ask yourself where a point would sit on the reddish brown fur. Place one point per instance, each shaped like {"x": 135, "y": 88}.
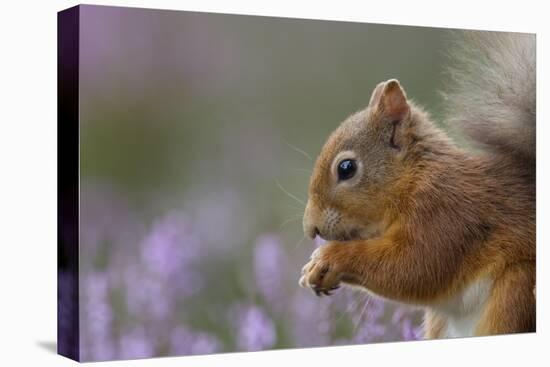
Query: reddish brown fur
{"x": 444, "y": 218}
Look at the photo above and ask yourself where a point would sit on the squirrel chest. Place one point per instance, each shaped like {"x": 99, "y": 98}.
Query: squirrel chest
{"x": 464, "y": 311}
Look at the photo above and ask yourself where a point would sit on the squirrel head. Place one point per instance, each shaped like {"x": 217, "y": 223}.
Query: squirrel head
{"x": 359, "y": 167}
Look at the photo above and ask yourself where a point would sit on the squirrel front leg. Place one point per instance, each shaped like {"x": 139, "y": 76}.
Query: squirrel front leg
{"x": 400, "y": 271}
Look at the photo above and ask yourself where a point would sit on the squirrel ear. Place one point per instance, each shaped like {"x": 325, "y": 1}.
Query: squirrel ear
{"x": 393, "y": 100}
{"x": 375, "y": 97}
{"x": 390, "y": 99}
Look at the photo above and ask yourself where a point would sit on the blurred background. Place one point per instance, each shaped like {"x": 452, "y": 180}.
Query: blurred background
{"x": 198, "y": 133}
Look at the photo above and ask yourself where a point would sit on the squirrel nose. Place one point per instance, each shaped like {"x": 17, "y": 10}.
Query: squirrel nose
{"x": 316, "y": 232}
{"x": 312, "y": 232}
{"x": 310, "y": 228}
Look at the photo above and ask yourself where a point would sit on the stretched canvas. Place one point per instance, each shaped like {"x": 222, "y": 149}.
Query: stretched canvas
{"x": 233, "y": 183}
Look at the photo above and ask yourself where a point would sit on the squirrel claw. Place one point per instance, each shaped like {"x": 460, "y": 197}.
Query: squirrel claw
{"x": 327, "y": 292}
{"x": 320, "y": 274}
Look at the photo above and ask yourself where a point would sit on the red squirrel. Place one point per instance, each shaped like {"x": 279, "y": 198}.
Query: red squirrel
{"x": 410, "y": 216}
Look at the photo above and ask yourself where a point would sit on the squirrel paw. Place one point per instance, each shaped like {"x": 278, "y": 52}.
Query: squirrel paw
{"x": 320, "y": 274}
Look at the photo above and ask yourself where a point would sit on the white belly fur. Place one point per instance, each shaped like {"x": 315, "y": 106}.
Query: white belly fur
{"x": 464, "y": 310}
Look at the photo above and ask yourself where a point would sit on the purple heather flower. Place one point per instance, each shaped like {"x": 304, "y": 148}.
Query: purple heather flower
{"x": 97, "y": 318}
{"x": 311, "y": 319}
{"x": 349, "y": 301}
{"x": 403, "y": 319}
{"x": 369, "y": 331}
{"x": 270, "y": 268}
{"x": 169, "y": 253}
{"x": 205, "y": 344}
{"x": 135, "y": 344}
{"x": 186, "y": 342}
{"x": 255, "y": 329}
{"x": 408, "y": 331}
{"x": 368, "y": 320}
{"x": 147, "y": 296}
{"x": 376, "y": 307}
{"x": 170, "y": 245}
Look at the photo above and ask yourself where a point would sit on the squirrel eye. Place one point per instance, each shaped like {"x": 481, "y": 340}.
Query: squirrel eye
{"x": 346, "y": 169}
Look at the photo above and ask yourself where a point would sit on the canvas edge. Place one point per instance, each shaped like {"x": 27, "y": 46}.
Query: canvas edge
{"x": 68, "y": 323}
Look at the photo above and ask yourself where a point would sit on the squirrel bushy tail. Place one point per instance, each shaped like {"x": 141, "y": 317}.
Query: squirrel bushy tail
{"x": 492, "y": 95}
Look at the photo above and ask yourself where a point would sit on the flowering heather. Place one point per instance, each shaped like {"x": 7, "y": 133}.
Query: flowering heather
{"x": 254, "y": 328}
{"x": 310, "y": 320}
{"x": 409, "y": 330}
{"x": 135, "y": 344}
{"x": 97, "y": 318}
{"x": 197, "y": 137}
{"x": 159, "y": 288}
{"x": 370, "y": 324}
{"x": 187, "y": 342}
{"x": 270, "y": 270}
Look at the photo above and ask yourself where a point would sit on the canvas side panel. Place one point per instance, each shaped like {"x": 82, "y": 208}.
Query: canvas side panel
{"x": 68, "y": 183}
